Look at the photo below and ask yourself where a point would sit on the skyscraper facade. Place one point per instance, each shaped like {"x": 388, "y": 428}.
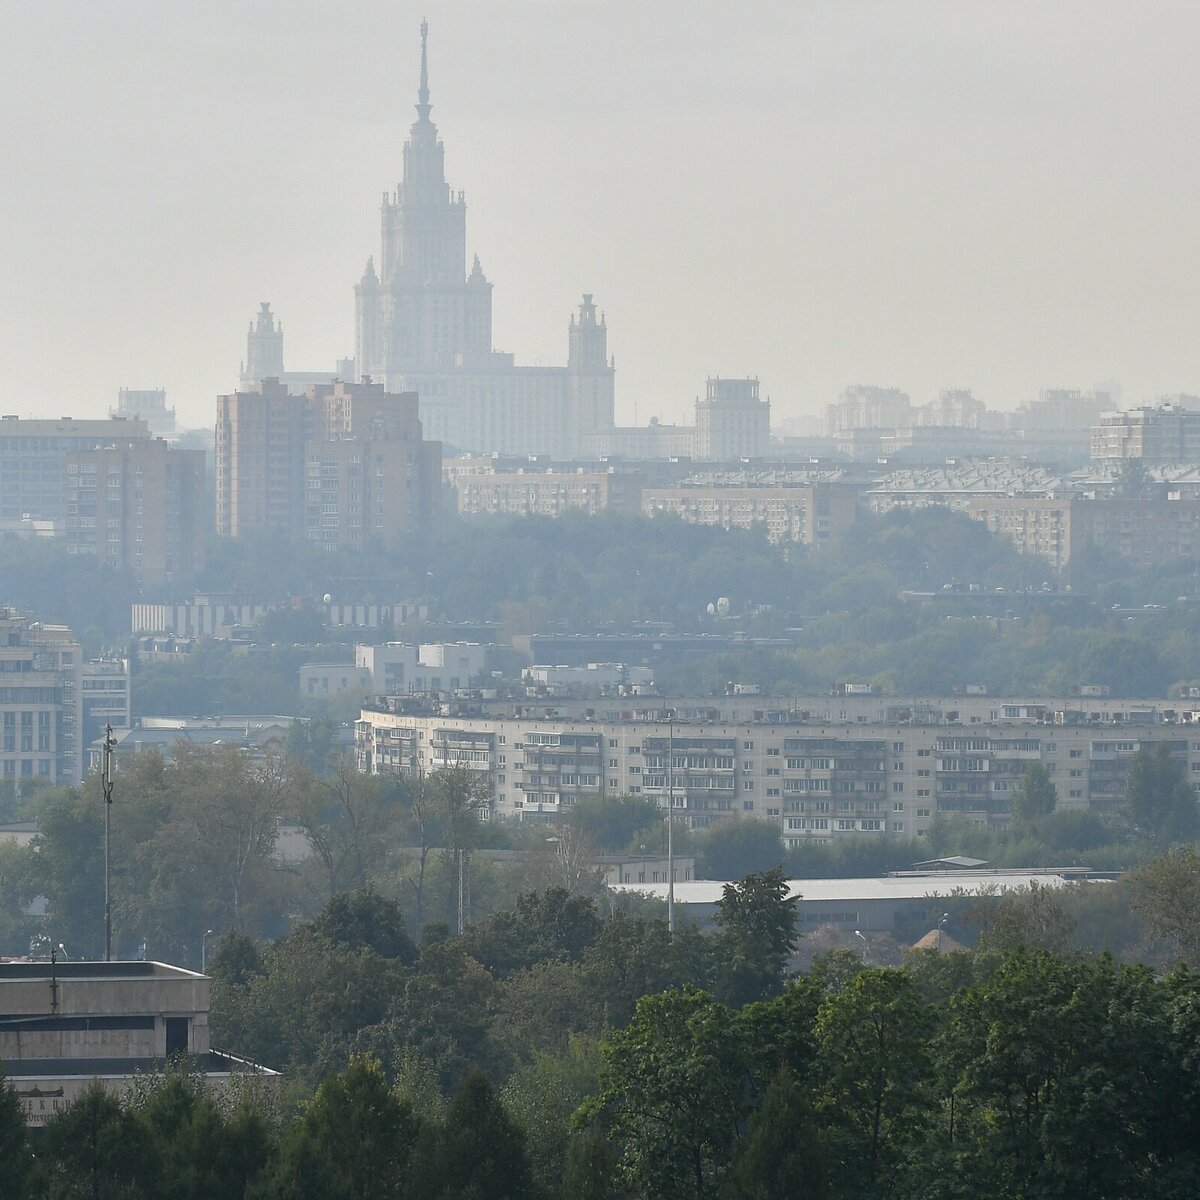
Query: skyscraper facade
{"x": 424, "y": 323}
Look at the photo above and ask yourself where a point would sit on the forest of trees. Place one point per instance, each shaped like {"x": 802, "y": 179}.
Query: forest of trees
{"x": 841, "y": 606}
{"x": 556, "y": 1051}
{"x": 197, "y": 846}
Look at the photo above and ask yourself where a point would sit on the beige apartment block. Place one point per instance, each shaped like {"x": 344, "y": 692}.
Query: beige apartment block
{"x": 138, "y": 506}
{"x": 1147, "y": 530}
{"x": 811, "y": 514}
{"x": 876, "y": 766}
{"x": 547, "y": 493}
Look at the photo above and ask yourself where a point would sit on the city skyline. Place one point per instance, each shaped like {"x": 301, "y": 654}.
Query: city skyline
{"x": 817, "y": 195}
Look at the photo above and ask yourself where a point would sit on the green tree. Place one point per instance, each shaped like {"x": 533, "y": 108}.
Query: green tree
{"x": 672, "y": 1095}
{"x": 1158, "y": 800}
{"x": 1035, "y": 796}
{"x": 1032, "y": 920}
{"x": 736, "y": 848}
{"x": 1166, "y": 895}
{"x": 354, "y": 1140}
{"x": 95, "y": 1150}
{"x": 554, "y": 924}
{"x": 756, "y": 934}
{"x": 16, "y": 1160}
{"x": 478, "y": 1153}
{"x": 874, "y": 1068}
{"x": 365, "y": 920}
{"x": 782, "y": 1153}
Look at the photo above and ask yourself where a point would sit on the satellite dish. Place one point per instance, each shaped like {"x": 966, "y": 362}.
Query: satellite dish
{"x": 328, "y": 598}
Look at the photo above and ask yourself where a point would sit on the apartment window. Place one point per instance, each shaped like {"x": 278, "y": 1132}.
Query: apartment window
{"x": 898, "y": 786}
{"x": 922, "y": 812}
{"x": 897, "y": 826}
{"x": 898, "y": 806}
{"x": 747, "y": 745}
{"x": 1076, "y": 753}
{"x": 897, "y": 747}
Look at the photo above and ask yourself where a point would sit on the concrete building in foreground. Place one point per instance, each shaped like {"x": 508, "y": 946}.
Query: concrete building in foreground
{"x": 64, "y": 1025}
{"x": 822, "y": 768}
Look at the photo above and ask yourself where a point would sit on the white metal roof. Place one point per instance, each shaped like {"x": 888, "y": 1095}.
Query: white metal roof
{"x": 887, "y": 887}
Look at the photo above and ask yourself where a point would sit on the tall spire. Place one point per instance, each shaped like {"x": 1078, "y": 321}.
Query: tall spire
{"x": 423, "y": 105}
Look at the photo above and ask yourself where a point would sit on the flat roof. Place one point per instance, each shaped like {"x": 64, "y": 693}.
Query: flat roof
{"x": 11, "y": 972}
{"x": 887, "y": 887}
{"x": 212, "y": 1063}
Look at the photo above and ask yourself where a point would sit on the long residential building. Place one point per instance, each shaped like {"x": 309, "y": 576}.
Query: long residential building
{"x": 822, "y": 769}
{"x": 790, "y": 511}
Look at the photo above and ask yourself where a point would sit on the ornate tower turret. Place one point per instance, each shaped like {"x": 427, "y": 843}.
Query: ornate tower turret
{"x": 264, "y": 348}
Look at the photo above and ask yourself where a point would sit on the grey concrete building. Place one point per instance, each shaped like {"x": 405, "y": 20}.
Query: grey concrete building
{"x": 64, "y": 1025}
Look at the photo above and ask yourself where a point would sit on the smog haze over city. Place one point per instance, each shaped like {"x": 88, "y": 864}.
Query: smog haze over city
{"x": 599, "y": 601}
{"x": 817, "y": 193}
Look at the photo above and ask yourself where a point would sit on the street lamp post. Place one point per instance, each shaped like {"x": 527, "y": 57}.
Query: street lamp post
{"x": 204, "y": 950}
{"x": 858, "y": 933}
{"x": 106, "y": 784}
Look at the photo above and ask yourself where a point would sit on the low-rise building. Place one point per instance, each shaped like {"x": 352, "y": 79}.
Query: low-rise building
{"x": 64, "y": 1025}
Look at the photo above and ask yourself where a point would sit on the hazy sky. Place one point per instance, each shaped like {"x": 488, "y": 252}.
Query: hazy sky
{"x": 1000, "y": 195}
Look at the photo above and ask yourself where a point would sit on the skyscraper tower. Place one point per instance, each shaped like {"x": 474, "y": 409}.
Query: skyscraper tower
{"x": 424, "y": 324}
{"x": 421, "y": 312}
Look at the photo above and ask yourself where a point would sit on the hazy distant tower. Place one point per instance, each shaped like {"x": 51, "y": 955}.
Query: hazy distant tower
{"x": 424, "y": 324}
{"x": 264, "y": 348}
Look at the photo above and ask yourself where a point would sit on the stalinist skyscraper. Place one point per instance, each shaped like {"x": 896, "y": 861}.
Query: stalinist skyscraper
{"x": 424, "y": 324}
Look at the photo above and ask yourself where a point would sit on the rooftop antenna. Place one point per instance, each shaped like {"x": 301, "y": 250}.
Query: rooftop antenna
{"x": 106, "y": 784}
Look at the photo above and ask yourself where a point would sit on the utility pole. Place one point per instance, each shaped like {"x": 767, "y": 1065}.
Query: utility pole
{"x": 670, "y": 824}
{"x": 106, "y": 783}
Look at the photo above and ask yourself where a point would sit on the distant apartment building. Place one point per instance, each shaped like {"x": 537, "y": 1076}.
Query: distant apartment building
{"x": 1161, "y": 435}
{"x": 1064, "y": 410}
{"x": 642, "y": 442}
{"x": 138, "y": 506}
{"x": 732, "y": 422}
{"x": 105, "y": 696}
{"x": 862, "y": 406}
{"x": 149, "y": 405}
{"x": 1146, "y": 531}
{"x": 550, "y": 493}
{"x": 809, "y": 513}
{"x": 399, "y": 668}
{"x": 216, "y": 613}
{"x": 40, "y": 702}
{"x": 342, "y": 465}
{"x": 33, "y": 459}
{"x": 821, "y": 769}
